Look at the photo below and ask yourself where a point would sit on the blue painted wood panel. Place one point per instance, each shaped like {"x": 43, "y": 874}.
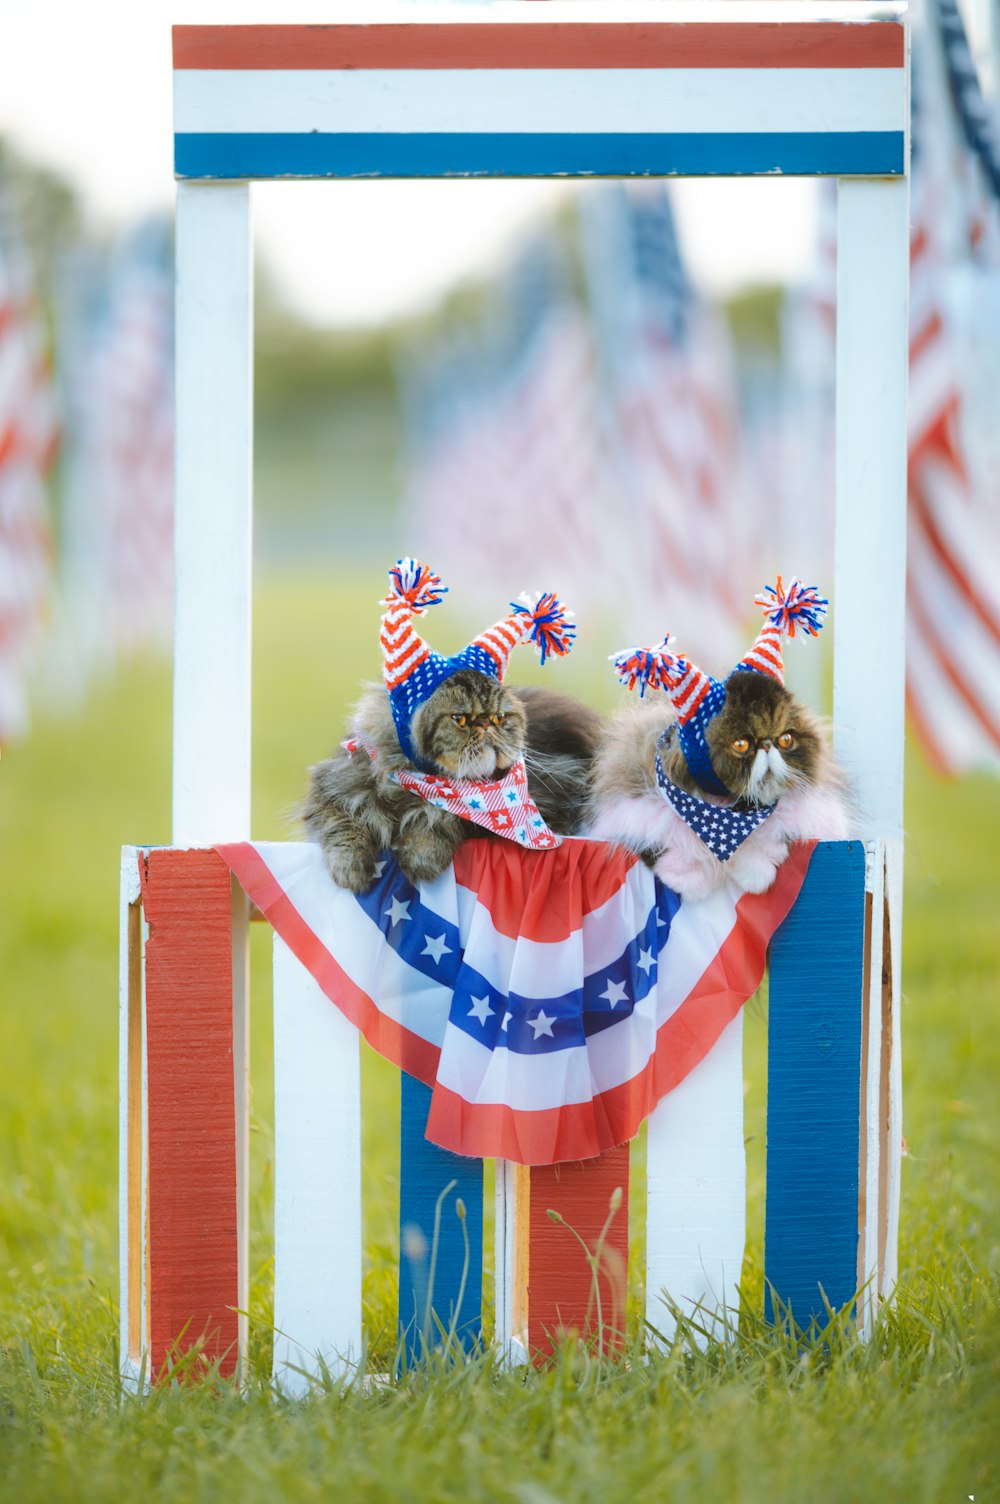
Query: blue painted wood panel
{"x": 814, "y": 1088}
{"x": 440, "y": 1273}
{"x": 526, "y": 155}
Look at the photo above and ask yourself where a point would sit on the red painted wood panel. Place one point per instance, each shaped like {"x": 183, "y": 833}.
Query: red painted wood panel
{"x": 561, "y": 1286}
{"x": 193, "y": 1278}
{"x": 833, "y": 44}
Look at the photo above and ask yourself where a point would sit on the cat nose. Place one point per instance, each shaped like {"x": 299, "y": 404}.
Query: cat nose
{"x": 482, "y": 721}
{"x": 766, "y": 745}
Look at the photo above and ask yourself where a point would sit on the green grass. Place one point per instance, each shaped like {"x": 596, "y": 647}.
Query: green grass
{"x": 910, "y": 1416}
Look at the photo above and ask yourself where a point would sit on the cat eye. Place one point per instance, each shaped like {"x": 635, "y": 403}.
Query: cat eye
{"x": 741, "y": 744}
{"x": 498, "y": 720}
{"x": 460, "y": 720}
{"x": 786, "y": 740}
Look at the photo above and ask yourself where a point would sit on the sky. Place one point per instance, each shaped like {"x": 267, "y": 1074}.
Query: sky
{"x": 87, "y": 90}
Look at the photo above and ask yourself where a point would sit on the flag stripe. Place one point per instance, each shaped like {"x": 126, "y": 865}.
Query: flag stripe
{"x": 542, "y": 44}
{"x": 561, "y": 101}
{"x": 499, "y": 154}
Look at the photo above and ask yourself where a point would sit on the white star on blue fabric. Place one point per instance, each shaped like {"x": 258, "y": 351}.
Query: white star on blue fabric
{"x": 506, "y": 1020}
{"x": 380, "y": 868}
{"x": 436, "y": 948}
{"x": 542, "y": 1024}
{"x": 645, "y": 961}
{"x": 481, "y": 1009}
{"x": 399, "y": 909}
{"x": 615, "y": 993}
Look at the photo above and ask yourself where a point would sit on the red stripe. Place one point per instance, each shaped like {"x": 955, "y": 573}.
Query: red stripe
{"x": 586, "y": 1129}
{"x": 541, "y": 898}
{"x": 193, "y": 1273}
{"x": 930, "y": 745}
{"x": 406, "y": 1050}
{"x": 639, "y": 44}
{"x": 561, "y": 1293}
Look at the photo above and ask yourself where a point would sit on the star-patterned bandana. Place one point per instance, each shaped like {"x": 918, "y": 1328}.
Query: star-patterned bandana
{"x": 502, "y": 805}
{"x": 722, "y": 830}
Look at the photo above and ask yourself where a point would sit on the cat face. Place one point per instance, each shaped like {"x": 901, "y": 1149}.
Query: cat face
{"x": 471, "y": 727}
{"x": 763, "y": 741}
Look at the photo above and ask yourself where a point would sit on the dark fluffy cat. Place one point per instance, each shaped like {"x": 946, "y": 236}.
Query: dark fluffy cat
{"x": 768, "y": 750}
{"x": 473, "y": 727}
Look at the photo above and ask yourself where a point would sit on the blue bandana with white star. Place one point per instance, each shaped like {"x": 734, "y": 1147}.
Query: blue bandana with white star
{"x": 722, "y": 830}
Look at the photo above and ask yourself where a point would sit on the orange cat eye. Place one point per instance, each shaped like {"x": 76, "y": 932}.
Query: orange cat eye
{"x": 498, "y": 720}
{"x": 460, "y": 720}
{"x": 741, "y": 744}
{"x": 786, "y": 740}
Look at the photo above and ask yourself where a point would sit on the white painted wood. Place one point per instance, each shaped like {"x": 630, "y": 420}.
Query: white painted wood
{"x": 870, "y": 574}
{"x": 241, "y": 1090}
{"x": 441, "y": 12}
{"x": 130, "y": 1363}
{"x": 513, "y": 1344}
{"x": 696, "y": 1192}
{"x": 529, "y": 100}
{"x": 869, "y": 1262}
{"x": 894, "y": 1145}
{"x": 317, "y": 1180}
{"x": 212, "y": 527}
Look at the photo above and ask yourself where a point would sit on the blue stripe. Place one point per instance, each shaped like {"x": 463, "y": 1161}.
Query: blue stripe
{"x": 455, "y": 1302}
{"x": 814, "y": 1088}
{"x": 375, "y": 155}
{"x": 576, "y": 1015}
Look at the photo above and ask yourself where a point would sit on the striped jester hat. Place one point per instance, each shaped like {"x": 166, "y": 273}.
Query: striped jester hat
{"x": 697, "y": 697}
{"x": 413, "y": 671}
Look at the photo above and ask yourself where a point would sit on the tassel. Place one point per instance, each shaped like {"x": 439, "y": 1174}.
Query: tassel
{"x": 552, "y": 629}
{"x": 800, "y": 606}
{"x": 414, "y": 584}
{"x": 650, "y": 668}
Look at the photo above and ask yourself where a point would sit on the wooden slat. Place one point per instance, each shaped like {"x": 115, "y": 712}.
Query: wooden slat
{"x": 892, "y": 1068}
{"x": 563, "y": 1293}
{"x": 440, "y": 1268}
{"x": 212, "y": 514}
{"x": 814, "y": 1088}
{"x": 511, "y": 1260}
{"x": 317, "y": 1180}
{"x": 870, "y": 1184}
{"x": 581, "y": 44}
{"x": 193, "y": 1245}
{"x": 696, "y": 1196}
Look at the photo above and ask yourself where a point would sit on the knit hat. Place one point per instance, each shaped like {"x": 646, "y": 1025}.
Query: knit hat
{"x": 413, "y": 671}
{"x": 696, "y": 696}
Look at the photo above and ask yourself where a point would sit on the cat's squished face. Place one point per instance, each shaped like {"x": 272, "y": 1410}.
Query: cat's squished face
{"x": 470, "y": 727}
{"x": 763, "y": 741}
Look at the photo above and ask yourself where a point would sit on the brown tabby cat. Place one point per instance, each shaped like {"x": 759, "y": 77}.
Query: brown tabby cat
{"x": 472, "y": 727}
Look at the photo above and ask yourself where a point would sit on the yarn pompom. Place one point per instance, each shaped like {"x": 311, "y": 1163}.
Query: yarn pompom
{"x": 415, "y": 585}
{"x": 649, "y": 668}
{"x": 800, "y": 607}
{"x": 552, "y": 628}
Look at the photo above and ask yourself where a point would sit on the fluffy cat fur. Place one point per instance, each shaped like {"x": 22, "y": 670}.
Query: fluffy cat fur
{"x": 802, "y": 782}
{"x": 354, "y": 811}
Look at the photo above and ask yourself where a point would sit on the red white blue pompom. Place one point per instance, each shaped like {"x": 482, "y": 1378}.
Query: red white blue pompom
{"x": 414, "y": 584}
{"x": 552, "y": 627}
{"x": 650, "y": 668}
{"x": 800, "y": 607}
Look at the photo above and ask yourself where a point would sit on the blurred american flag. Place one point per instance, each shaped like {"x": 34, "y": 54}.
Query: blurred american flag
{"x": 28, "y": 440}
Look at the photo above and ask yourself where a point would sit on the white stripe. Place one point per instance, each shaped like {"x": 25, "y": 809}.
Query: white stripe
{"x": 529, "y": 100}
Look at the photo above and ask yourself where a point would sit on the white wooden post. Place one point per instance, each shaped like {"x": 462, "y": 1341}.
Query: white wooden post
{"x": 870, "y": 566}
{"x": 212, "y": 528}
{"x": 317, "y": 1180}
{"x": 696, "y": 1194}
{"x": 132, "y": 1190}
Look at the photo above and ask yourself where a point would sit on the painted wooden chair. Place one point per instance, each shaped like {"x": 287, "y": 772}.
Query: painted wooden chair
{"x": 568, "y": 89}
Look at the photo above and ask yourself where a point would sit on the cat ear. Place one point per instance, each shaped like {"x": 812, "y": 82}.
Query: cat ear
{"x": 800, "y": 607}
{"x": 540, "y": 618}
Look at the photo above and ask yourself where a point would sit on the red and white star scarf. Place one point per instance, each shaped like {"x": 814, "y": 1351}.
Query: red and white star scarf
{"x": 501, "y": 805}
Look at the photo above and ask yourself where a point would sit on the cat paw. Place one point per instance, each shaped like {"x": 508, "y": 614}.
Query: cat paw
{"x": 354, "y": 870}
{"x": 754, "y": 873}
